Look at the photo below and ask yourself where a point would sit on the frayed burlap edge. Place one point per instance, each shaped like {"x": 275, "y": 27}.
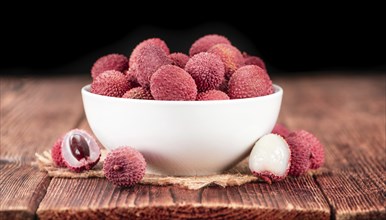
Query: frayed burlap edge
{"x": 236, "y": 176}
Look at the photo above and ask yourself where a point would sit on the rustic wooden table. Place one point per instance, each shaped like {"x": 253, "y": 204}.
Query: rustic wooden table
{"x": 346, "y": 112}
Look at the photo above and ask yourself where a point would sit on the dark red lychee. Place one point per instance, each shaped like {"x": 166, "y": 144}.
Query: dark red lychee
{"x": 124, "y": 166}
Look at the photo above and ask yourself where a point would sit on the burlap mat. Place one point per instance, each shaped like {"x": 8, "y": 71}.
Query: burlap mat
{"x": 236, "y": 176}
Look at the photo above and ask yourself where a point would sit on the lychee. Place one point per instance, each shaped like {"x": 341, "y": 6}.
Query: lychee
{"x": 301, "y": 152}
{"x": 253, "y": 60}
{"x": 270, "y": 158}
{"x": 149, "y": 59}
{"x": 173, "y": 83}
{"x": 207, "y": 70}
{"x": 138, "y": 93}
{"x": 77, "y": 150}
{"x": 151, "y": 41}
{"x": 124, "y": 166}
{"x": 179, "y": 59}
{"x": 110, "y": 83}
{"x": 281, "y": 130}
{"x": 212, "y": 95}
{"x": 56, "y": 153}
{"x": 249, "y": 81}
{"x": 230, "y": 56}
{"x": 116, "y": 62}
{"x": 316, "y": 148}
{"x": 204, "y": 43}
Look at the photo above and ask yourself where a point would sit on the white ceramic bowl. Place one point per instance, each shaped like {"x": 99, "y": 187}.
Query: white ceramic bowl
{"x": 183, "y": 137}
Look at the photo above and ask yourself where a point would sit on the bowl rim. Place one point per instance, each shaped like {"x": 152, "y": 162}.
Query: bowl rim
{"x": 278, "y": 91}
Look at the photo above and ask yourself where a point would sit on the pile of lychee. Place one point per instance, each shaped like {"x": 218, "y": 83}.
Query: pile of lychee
{"x": 213, "y": 70}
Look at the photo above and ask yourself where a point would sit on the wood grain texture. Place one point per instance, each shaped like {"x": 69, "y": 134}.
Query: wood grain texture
{"x": 97, "y": 198}
{"x": 22, "y": 187}
{"x": 348, "y": 115}
{"x": 34, "y": 112}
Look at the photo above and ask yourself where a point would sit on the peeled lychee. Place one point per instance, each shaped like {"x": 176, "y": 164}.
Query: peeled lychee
{"x": 207, "y": 71}
{"x": 281, "y": 130}
{"x": 270, "y": 158}
{"x": 77, "y": 150}
{"x": 204, "y": 43}
{"x": 138, "y": 93}
{"x": 230, "y": 56}
{"x": 179, "y": 59}
{"x": 124, "y": 166}
{"x": 212, "y": 95}
{"x": 253, "y": 60}
{"x": 110, "y": 83}
{"x": 301, "y": 152}
{"x": 116, "y": 62}
{"x": 173, "y": 83}
{"x": 149, "y": 59}
{"x": 56, "y": 153}
{"x": 249, "y": 81}
{"x": 152, "y": 41}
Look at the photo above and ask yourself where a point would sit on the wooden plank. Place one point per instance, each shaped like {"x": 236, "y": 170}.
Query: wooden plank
{"x": 348, "y": 115}
{"x": 22, "y": 187}
{"x": 35, "y": 113}
{"x": 97, "y": 198}
{"x": 357, "y": 191}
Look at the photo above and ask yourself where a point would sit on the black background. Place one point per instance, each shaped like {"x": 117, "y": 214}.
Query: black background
{"x": 69, "y": 40}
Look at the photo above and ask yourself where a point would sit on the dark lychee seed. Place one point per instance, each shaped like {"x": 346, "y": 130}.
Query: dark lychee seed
{"x": 79, "y": 147}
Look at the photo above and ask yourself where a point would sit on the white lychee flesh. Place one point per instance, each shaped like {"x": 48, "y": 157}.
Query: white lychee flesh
{"x": 270, "y": 157}
{"x": 83, "y": 161}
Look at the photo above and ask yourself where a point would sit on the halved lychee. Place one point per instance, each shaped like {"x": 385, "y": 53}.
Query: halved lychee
{"x": 79, "y": 151}
{"x": 270, "y": 158}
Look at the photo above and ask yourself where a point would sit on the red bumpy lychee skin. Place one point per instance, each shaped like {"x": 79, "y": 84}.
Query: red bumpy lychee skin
{"x": 124, "y": 166}
{"x": 301, "y": 152}
{"x": 179, "y": 59}
{"x": 77, "y": 150}
{"x": 230, "y": 56}
{"x": 204, "y": 43}
{"x": 138, "y": 93}
{"x": 110, "y": 83}
{"x": 152, "y": 41}
{"x": 173, "y": 83}
{"x": 253, "y": 60}
{"x": 212, "y": 95}
{"x": 149, "y": 59}
{"x": 249, "y": 81}
{"x": 281, "y": 130}
{"x": 207, "y": 71}
{"x": 56, "y": 153}
{"x": 116, "y": 62}
{"x": 316, "y": 148}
